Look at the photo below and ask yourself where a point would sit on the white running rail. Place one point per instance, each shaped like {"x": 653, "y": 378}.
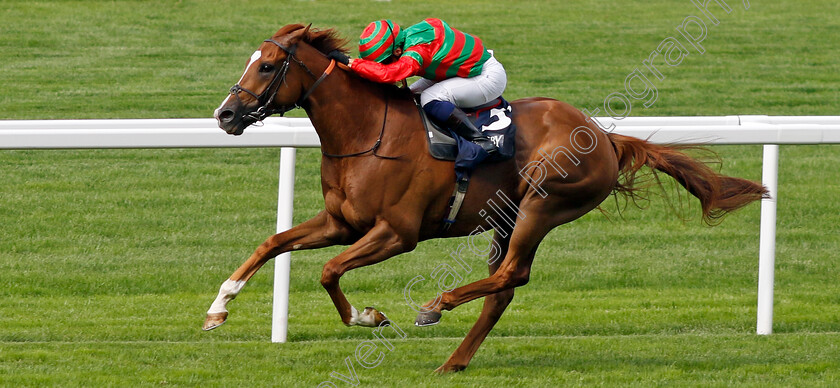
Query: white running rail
{"x": 292, "y": 133}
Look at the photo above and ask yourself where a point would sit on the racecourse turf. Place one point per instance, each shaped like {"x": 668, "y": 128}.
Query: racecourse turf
{"x": 109, "y": 258}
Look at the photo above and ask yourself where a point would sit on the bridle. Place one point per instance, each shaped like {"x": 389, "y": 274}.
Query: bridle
{"x": 266, "y": 98}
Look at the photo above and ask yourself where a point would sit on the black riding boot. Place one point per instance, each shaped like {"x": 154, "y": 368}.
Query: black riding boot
{"x": 461, "y": 124}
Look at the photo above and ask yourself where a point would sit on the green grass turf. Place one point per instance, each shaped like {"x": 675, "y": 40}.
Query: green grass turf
{"x": 109, "y": 258}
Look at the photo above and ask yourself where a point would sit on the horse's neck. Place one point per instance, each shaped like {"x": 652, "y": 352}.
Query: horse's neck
{"x": 347, "y": 113}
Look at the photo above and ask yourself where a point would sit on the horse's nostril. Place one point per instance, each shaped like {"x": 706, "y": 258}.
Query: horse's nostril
{"x": 226, "y": 115}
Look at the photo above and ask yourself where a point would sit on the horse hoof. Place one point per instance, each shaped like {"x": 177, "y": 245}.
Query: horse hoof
{"x": 446, "y": 368}
{"x": 214, "y": 320}
{"x": 371, "y": 317}
{"x": 427, "y": 318}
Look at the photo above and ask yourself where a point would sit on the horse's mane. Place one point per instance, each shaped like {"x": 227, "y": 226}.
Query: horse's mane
{"x": 325, "y": 40}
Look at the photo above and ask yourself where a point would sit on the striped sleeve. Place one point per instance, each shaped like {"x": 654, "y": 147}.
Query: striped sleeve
{"x": 421, "y": 53}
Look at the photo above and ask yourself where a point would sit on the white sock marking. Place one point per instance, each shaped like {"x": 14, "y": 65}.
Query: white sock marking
{"x": 354, "y": 316}
{"x": 227, "y": 292}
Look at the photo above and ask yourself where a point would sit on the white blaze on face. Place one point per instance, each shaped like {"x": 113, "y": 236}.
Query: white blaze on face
{"x": 254, "y": 57}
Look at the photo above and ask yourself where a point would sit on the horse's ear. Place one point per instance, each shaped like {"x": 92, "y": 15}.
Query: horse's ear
{"x": 304, "y": 35}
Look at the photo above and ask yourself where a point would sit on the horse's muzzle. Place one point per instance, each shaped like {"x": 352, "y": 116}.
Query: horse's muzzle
{"x": 230, "y": 122}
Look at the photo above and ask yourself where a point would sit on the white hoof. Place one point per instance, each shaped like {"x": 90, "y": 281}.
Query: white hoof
{"x": 214, "y": 320}
{"x": 370, "y": 317}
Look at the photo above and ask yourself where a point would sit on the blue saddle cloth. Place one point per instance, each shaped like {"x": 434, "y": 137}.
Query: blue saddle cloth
{"x": 495, "y": 120}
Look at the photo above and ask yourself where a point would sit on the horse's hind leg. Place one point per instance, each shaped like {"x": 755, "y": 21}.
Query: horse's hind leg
{"x": 318, "y": 232}
{"x": 379, "y": 244}
{"x": 494, "y": 307}
{"x": 541, "y": 215}
{"x": 514, "y": 270}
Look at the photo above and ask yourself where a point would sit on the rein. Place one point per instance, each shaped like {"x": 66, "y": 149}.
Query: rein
{"x": 375, "y": 145}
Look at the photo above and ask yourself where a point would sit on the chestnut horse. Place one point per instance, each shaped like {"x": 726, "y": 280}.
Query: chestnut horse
{"x": 383, "y": 192}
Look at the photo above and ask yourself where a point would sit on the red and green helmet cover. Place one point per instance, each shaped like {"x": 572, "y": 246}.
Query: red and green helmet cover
{"x": 377, "y": 42}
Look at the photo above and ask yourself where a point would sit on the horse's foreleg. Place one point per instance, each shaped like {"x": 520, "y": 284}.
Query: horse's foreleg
{"x": 494, "y": 307}
{"x": 318, "y": 232}
{"x": 380, "y": 243}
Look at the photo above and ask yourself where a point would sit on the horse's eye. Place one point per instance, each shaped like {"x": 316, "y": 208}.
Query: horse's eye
{"x": 266, "y": 68}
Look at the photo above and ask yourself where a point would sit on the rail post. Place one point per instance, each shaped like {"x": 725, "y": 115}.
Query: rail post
{"x": 767, "y": 241}
{"x": 282, "y": 263}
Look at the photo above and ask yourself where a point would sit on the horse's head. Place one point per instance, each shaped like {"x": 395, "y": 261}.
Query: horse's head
{"x": 273, "y": 81}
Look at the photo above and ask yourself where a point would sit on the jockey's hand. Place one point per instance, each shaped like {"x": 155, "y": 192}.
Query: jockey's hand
{"x": 339, "y": 57}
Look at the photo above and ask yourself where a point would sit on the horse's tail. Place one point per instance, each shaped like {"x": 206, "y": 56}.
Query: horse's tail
{"x": 718, "y": 194}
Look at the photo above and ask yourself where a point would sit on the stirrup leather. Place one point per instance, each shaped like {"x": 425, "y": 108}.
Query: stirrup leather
{"x": 455, "y": 203}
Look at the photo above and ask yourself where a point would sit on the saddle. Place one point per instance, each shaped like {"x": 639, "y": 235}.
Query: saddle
{"x": 442, "y": 144}
{"x": 493, "y": 118}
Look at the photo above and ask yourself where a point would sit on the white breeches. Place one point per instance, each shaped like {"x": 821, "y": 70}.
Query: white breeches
{"x": 465, "y": 92}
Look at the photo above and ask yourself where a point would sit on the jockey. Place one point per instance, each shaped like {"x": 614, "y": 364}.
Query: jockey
{"x": 458, "y": 72}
